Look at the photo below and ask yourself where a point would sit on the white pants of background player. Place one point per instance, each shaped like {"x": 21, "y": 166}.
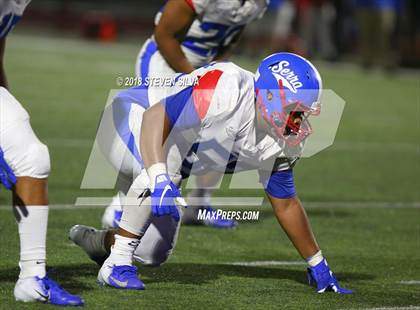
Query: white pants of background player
{"x": 159, "y": 233}
{"x": 23, "y": 151}
{"x": 150, "y": 64}
{"x": 27, "y": 157}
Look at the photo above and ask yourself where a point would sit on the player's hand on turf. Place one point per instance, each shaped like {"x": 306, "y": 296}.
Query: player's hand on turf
{"x": 7, "y": 177}
{"x": 164, "y": 196}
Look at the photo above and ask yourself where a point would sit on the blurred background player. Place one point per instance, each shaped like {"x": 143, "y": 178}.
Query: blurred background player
{"x": 377, "y": 20}
{"x": 24, "y": 169}
{"x": 189, "y": 34}
{"x": 267, "y": 117}
{"x": 316, "y": 18}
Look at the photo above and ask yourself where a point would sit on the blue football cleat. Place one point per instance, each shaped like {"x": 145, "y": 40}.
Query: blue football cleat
{"x": 44, "y": 290}
{"x": 322, "y": 277}
{"x": 218, "y": 221}
{"x": 123, "y": 277}
{"x": 58, "y": 296}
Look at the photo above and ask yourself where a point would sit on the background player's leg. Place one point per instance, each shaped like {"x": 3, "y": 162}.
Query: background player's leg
{"x": 30, "y": 200}
{"x": 30, "y": 161}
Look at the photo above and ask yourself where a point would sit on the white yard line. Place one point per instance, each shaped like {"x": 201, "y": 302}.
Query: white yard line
{"x": 69, "y": 45}
{"x": 410, "y": 282}
{"x": 361, "y": 205}
{"x": 342, "y": 146}
{"x": 61, "y": 207}
{"x": 101, "y": 202}
{"x": 267, "y": 263}
{"x": 68, "y": 142}
{"x": 360, "y": 146}
{"x": 246, "y": 202}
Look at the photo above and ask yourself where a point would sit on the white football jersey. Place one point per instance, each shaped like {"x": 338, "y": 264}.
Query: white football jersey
{"x": 10, "y": 13}
{"x": 217, "y": 23}
{"x": 227, "y": 133}
{"x": 213, "y": 125}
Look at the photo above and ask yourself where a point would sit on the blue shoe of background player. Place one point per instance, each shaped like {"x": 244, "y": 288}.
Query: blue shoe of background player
{"x": 218, "y": 222}
{"x": 44, "y": 290}
{"x": 322, "y": 277}
{"x": 123, "y": 277}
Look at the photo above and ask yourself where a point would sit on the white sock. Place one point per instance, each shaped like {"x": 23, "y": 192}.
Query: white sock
{"x": 315, "y": 259}
{"x": 122, "y": 250}
{"x": 33, "y": 234}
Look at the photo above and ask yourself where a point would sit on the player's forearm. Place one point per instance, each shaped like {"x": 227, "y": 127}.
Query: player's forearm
{"x": 176, "y": 19}
{"x": 170, "y": 48}
{"x": 292, "y": 218}
{"x": 154, "y": 132}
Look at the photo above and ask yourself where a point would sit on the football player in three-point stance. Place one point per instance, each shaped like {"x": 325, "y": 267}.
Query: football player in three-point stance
{"x": 190, "y": 34}
{"x": 230, "y": 116}
{"x": 24, "y": 169}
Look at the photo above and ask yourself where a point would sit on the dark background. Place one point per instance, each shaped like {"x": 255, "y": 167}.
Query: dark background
{"x": 341, "y": 39}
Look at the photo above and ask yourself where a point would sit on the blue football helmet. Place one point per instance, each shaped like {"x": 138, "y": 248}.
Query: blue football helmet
{"x": 288, "y": 87}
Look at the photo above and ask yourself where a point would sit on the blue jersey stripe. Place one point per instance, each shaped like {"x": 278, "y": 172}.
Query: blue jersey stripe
{"x": 121, "y": 107}
{"x": 180, "y": 109}
{"x": 199, "y": 50}
{"x": 7, "y": 24}
{"x": 145, "y": 58}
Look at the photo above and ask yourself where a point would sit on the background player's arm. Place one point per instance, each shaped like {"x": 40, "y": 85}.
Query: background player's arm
{"x": 3, "y": 79}
{"x": 176, "y": 19}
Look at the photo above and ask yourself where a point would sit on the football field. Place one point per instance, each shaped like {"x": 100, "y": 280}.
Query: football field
{"x": 362, "y": 194}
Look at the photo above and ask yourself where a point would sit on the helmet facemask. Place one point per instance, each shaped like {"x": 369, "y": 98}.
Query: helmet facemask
{"x": 291, "y": 125}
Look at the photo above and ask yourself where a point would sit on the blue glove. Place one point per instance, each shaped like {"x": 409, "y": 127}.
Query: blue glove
{"x": 324, "y": 280}
{"x": 7, "y": 177}
{"x": 164, "y": 195}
